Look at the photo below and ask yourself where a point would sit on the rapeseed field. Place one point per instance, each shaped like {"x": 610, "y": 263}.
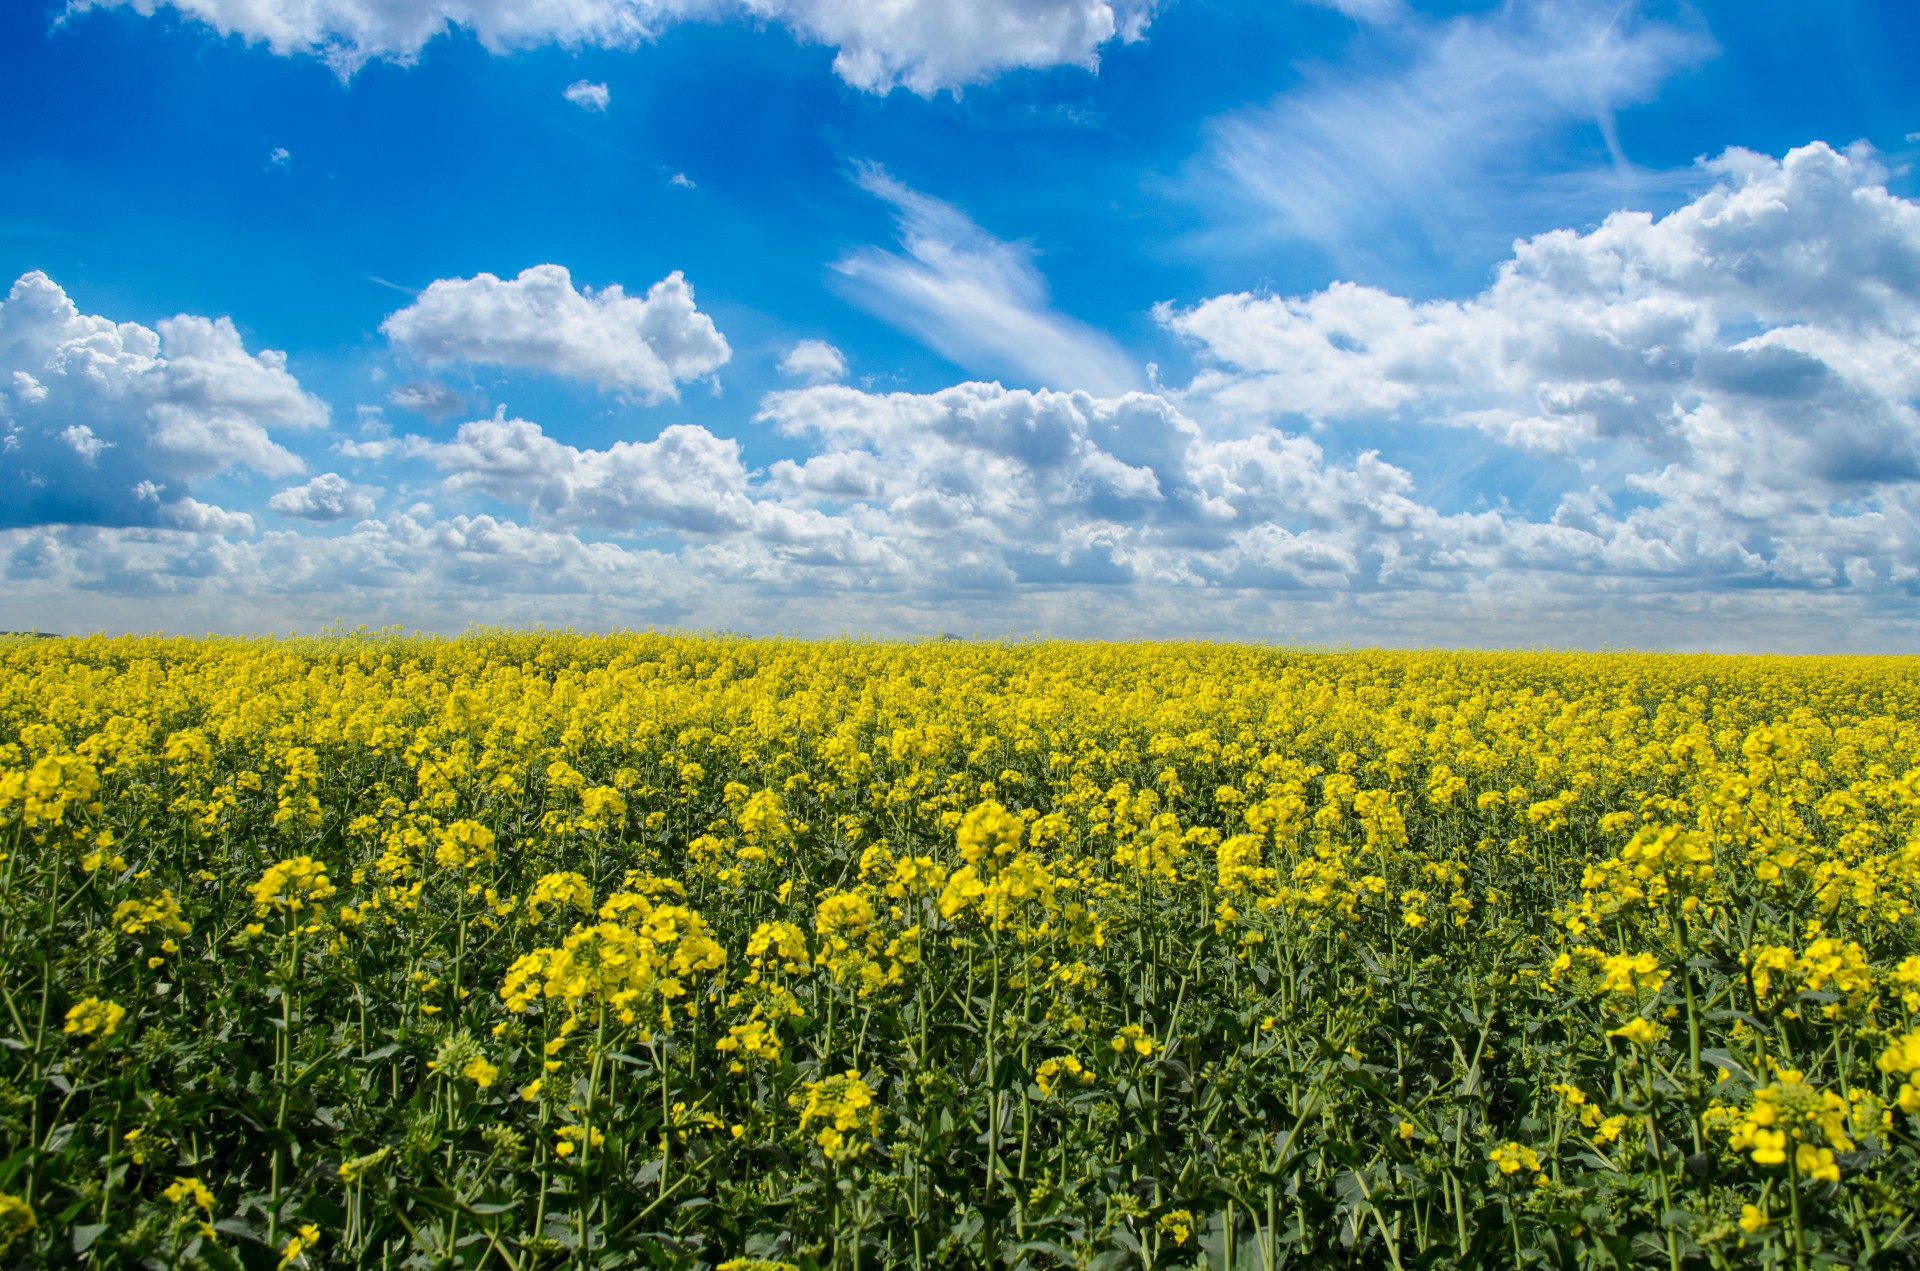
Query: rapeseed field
{"x": 544, "y": 950}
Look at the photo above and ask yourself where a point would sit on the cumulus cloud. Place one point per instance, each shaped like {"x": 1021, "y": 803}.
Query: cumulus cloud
{"x": 928, "y": 45}
{"x": 588, "y": 96}
{"x": 204, "y": 518}
{"x": 814, "y": 361}
{"x": 1743, "y": 370}
{"x": 980, "y": 486}
{"x": 923, "y": 45}
{"x": 92, "y": 409}
{"x": 645, "y": 347}
{"x": 686, "y": 478}
{"x": 327, "y": 497}
{"x": 975, "y": 299}
{"x": 1355, "y": 160}
{"x": 1770, "y": 320}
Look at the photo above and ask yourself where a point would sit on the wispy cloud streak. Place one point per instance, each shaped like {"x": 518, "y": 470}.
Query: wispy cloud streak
{"x": 975, "y": 299}
{"x": 1355, "y": 160}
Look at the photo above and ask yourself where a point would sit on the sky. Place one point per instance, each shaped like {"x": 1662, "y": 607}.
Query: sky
{"x": 1347, "y": 322}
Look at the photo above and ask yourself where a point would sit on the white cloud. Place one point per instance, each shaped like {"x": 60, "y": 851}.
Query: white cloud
{"x": 976, "y": 300}
{"x": 587, "y": 96}
{"x": 280, "y": 157}
{"x": 204, "y": 518}
{"x": 814, "y": 361}
{"x": 999, "y": 510}
{"x": 681, "y": 180}
{"x": 327, "y": 497}
{"x": 85, "y": 444}
{"x": 928, "y": 45}
{"x": 924, "y": 45}
{"x": 687, "y": 478}
{"x": 1770, "y": 321}
{"x": 1742, "y": 373}
{"x": 1356, "y": 161}
{"x": 91, "y": 408}
{"x": 642, "y": 347}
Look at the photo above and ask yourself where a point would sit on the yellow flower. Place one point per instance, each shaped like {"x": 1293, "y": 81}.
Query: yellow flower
{"x": 291, "y": 886}
{"x": 569, "y": 1137}
{"x": 16, "y": 1219}
{"x": 1133, "y": 1037}
{"x": 1639, "y": 1031}
{"x": 1632, "y": 974}
{"x": 189, "y": 1191}
{"x": 1790, "y": 1110}
{"x": 1769, "y": 1147}
{"x": 1051, "y": 1071}
{"x": 1753, "y": 1219}
{"x": 94, "y": 1015}
{"x": 158, "y": 914}
{"x": 1816, "y": 1162}
{"x": 296, "y": 1247}
{"x": 480, "y": 1072}
{"x": 1176, "y": 1225}
{"x": 753, "y": 1040}
{"x": 1512, "y": 1157}
{"x": 843, "y": 1106}
{"x": 463, "y": 844}
{"x": 1903, "y": 1057}
{"x": 988, "y": 831}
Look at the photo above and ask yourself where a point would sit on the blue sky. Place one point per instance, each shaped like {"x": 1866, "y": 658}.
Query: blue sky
{"x": 1372, "y": 321}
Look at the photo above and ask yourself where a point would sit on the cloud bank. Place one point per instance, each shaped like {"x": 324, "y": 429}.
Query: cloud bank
{"x": 1712, "y": 415}
{"x": 922, "y": 45}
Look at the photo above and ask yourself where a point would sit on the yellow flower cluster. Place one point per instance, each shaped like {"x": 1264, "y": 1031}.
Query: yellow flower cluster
{"x": 1789, "y": 1112}
{"x": 17, "y": 1219}
{"x": 43, "y": 794}
{"x": 159, "y": 915}
{"x": 638, "y": 957}
{"x": 94, "y": 1016}
{"x": 843, "y": 1107}
{"x": 1511, "y": 1158}
{"x": 1902, "y": 1059}
{"x": 291, "y": 886}
{"x": 188, "y": 1191}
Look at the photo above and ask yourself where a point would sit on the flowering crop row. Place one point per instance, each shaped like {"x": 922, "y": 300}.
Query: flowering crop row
{"x": 520, "y": 951}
